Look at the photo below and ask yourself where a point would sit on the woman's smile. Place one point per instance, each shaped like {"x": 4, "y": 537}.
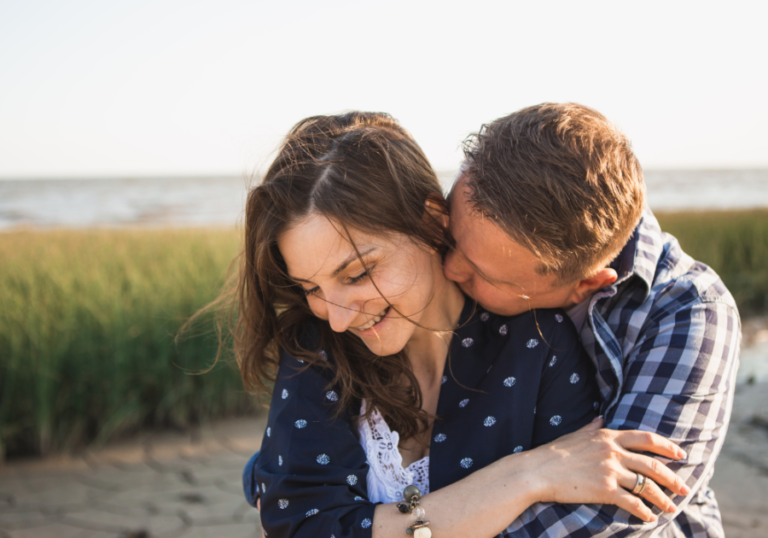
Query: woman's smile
{"x": 384, "y": 290}
{"x": 367, "y": 329}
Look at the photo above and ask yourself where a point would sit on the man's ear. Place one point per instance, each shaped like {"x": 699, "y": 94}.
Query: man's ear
{"x": 587, "y": 286}
{"x": 437, "y": 210}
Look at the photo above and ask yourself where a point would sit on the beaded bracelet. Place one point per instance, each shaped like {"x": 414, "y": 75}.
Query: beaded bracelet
{"x": 419, "y": 528}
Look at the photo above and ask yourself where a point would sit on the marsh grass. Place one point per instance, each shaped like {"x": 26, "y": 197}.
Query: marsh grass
{"x": 87, "y": 329}
{"x": 733, "y": 243}
{"x": 88, "y": 320}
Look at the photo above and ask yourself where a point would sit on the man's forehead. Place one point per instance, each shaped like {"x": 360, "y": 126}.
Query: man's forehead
{"x": 460, "y": 190}
{"x": 461, "y": 208}
{"x": 467, "y": 221}
{"x": 483, "y": 242}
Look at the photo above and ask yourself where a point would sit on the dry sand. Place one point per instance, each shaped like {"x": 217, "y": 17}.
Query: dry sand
{"x": 741, "y": 473}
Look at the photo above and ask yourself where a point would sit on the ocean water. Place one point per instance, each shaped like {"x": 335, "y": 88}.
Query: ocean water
{"x": 155, "y": 202}
{"x": 182, "y": 202}
{"x": 706, "y": 189}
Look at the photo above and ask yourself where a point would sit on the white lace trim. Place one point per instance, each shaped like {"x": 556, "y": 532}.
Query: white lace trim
{"x": 386, "y": 476}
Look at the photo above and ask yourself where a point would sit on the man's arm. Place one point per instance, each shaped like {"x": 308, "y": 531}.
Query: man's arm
{"x": 678, "y": 382}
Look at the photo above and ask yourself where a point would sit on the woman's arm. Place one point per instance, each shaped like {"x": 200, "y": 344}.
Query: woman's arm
{"x": 303, "y": 493}
{"x": 592, "y": 465}
{"x": 310, "y": 476}
{"x": 588, "y": 466}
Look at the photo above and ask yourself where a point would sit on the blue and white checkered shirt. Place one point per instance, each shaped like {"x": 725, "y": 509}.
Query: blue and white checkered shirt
{"x": 665, "y": 338}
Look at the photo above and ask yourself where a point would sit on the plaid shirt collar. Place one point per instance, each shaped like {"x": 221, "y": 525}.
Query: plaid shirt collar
{"x": 641, "y": 254}
{"x": 636, "y": 266}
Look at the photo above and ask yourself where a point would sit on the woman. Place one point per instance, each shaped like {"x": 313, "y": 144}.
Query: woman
{"x": 385, "y": 375}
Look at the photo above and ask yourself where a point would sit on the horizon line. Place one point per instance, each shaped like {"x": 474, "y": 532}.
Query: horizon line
{"x": 439, "y": 173}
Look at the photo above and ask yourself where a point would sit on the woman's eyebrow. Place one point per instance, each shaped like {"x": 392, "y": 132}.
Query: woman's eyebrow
{"x": 352, "y": 257}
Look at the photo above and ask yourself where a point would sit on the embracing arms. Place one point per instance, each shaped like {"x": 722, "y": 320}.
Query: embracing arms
{"x": 312, "y": 472}
{"x": 678, "y": 383}
{"x": 591, "y": 465}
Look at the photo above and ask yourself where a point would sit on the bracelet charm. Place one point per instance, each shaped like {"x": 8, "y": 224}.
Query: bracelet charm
{"x": 420, "y": 528}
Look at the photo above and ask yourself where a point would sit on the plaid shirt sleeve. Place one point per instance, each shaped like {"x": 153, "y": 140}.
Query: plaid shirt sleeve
{"x": 678, "y": 381}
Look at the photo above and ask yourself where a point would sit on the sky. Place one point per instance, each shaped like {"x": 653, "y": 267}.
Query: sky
{"x": 187, "y": 87}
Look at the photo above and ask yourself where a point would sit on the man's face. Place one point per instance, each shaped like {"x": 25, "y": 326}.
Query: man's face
{"x": 490, "y": 267}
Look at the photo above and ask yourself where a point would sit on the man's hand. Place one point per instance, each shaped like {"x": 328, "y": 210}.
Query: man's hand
{"x": 596, "y": 465}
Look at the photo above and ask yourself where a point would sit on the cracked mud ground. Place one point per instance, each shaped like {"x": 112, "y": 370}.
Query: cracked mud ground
{"x": 160, "y": 486}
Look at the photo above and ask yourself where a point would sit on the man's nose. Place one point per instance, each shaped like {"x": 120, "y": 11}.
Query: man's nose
{"x": 456, "y": 268}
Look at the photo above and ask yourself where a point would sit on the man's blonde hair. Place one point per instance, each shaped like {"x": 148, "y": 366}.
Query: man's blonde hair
{"x": 562, "y": 181}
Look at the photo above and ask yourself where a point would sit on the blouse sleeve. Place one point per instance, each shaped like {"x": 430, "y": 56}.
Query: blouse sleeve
{"x": 311, "y": 472}
{"x": 568, "y": 396}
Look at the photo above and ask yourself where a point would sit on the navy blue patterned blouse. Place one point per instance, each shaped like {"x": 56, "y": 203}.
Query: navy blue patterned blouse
{"x": 514, "y": 383}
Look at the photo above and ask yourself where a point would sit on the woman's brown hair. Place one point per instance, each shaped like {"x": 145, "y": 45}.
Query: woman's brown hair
{"x": 362, "y": 171}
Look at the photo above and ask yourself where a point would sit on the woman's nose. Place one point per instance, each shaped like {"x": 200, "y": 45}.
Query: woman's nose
{"x": 341, "y": 312}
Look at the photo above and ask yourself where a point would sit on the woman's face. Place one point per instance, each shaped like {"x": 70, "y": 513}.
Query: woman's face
{"x": 340, "y": 287}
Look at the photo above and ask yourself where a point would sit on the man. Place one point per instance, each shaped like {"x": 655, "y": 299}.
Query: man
{"x": 548, "y": 211}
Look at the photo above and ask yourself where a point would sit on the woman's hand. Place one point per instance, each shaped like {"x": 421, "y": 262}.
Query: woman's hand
{"x": 591, "y": 465}
{"x": 596, "y": 465}
{"x": 258, "y": 507}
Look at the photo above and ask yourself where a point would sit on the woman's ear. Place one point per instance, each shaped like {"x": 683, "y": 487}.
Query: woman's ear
{"x": 437, "y": 210}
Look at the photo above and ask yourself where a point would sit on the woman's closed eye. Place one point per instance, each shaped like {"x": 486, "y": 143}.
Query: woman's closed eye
{"x": 312, "y": 291}
{"x": 358, "y": 278}
{"x": 350, "y": 280}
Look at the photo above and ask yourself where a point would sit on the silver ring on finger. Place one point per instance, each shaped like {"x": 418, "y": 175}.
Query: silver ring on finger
{"x": 642, "y": 481}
